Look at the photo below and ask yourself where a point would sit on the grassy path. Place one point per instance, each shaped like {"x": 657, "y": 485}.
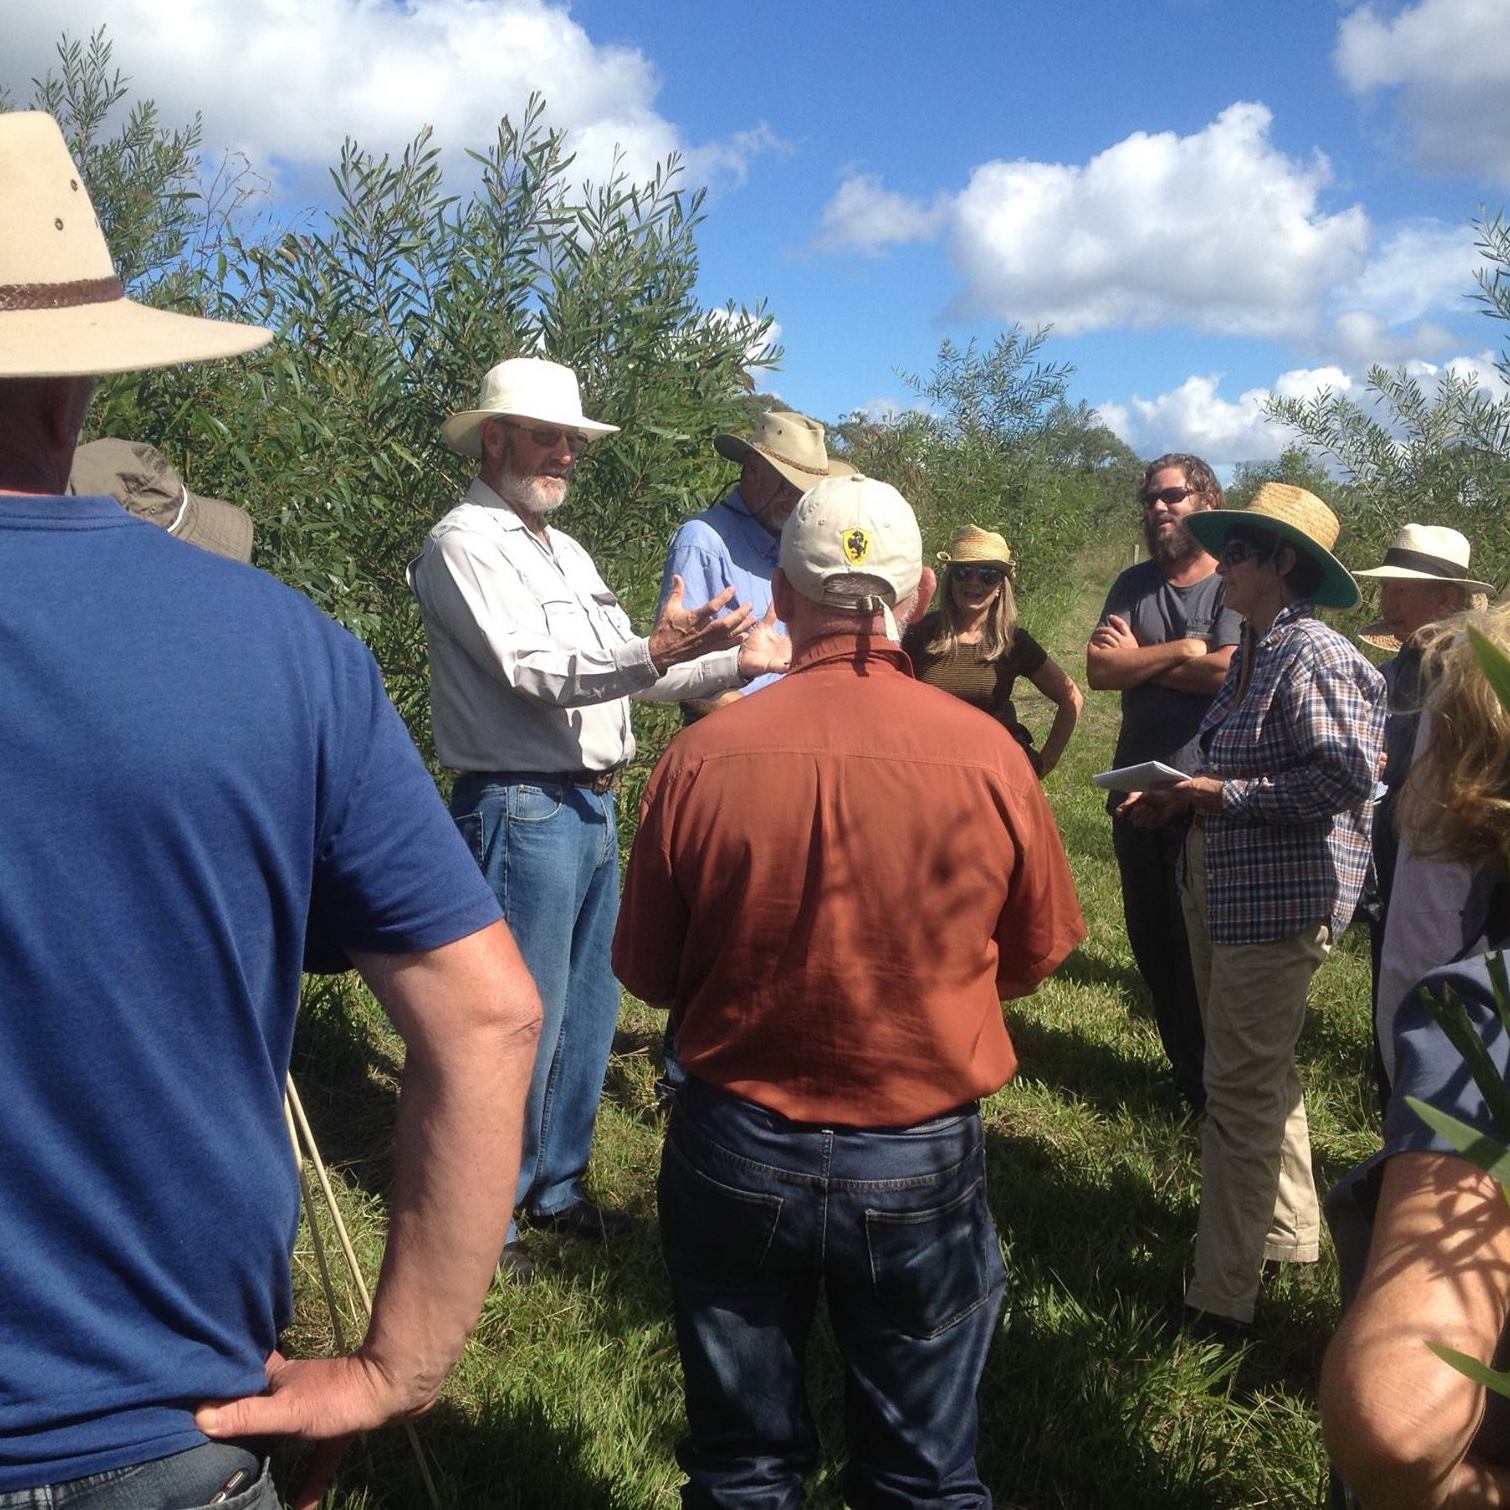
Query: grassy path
{"x": 570, "y": 1393}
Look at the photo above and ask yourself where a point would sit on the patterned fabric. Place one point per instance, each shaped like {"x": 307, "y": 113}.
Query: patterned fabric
{"x": 1297, "y": 753}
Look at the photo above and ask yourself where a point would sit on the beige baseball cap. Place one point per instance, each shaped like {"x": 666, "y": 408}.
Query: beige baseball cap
{"x": 852, "y": 526}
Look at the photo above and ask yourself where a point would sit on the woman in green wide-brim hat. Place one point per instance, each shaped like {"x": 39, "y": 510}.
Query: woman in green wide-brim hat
{"x": 1273, "y": 866}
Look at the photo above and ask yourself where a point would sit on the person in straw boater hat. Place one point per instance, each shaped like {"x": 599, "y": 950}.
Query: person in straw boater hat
{"x": 532, "y": 665}
{"x": 1273, "y": 869}
{"x": 839, "y": 1021}
{"x": 973, "y": 646}
{"x": 1423, "y": 579}
{"x": 200, "y": 772}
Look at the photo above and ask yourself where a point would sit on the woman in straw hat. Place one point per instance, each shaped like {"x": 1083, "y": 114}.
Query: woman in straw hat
{"x": 1273, "y": 866}
{"x": 972, "y": 646}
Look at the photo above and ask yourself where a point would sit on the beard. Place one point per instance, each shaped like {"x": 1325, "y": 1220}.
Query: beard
{"x": 1177, "y": 545}
{"x": 541, "y": 493}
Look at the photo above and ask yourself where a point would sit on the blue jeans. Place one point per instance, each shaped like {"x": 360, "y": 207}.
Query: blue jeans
{"x": 756, "y": 1213}
{"x": 185, "y": 1481}
{"x": 551, "y": 855}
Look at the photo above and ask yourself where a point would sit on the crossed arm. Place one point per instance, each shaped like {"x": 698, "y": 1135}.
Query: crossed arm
{"x": 1399, "y": 1422}
{"x": 469, "y": 1016}
{"x": 1115, "y": 661}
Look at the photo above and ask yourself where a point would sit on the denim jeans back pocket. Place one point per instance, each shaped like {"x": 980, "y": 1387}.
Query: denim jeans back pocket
{"x": 933, "y": 1267}
{"x": 710, "y": 1231}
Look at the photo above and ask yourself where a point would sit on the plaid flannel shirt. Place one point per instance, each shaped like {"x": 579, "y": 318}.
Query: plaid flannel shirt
{"x": 1297, "y": 757}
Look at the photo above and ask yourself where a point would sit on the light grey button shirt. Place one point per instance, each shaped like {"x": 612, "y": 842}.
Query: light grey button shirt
{"x": 532, "y": 661}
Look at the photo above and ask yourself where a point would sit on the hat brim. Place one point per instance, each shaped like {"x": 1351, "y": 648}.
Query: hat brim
{"x": 1405, "y": 574}
{"x": 217, "y": 526}
{"x": 736, "y": 449}
{"x": 1210, "y": 528}
{"x": 1379, "y": 636}
{"x": 463, "y": 432}
{"x": 987, "y": 560}
{"x": 119, "y": 335}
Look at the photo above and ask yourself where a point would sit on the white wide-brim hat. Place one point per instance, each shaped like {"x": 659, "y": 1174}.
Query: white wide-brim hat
{"x": 524, "y": 388}
{"x": 63, "y": 311}
{"x": 1428, "y": 553}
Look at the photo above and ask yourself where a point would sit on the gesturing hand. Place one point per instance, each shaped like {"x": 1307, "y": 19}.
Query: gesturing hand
{"x": 684, "y": 634}
{"x": 327, "y": 1400}
{"x": 765, "y": 648}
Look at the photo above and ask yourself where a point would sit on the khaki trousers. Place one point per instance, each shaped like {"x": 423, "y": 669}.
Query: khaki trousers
{"x": 1258, "y": 1195}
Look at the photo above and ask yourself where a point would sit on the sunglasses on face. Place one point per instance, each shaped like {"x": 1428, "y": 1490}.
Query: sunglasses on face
{"x": 1234, "y": 552}
{"x": 987, "y": 576}
{"x": 548, "y": 437}
{"x": 1170, "y": 496}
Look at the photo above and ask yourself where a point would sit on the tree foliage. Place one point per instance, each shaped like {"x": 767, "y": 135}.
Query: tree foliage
{"x": 1432, "y": 451}
{"x": 995, "y": 442}
{"x": 388, "y": 309}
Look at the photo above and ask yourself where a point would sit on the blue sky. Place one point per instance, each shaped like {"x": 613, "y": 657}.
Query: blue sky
{"x": 1207, "y": 199}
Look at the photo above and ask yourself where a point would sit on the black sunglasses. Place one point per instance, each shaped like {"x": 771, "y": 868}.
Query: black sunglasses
{"x": 1234, "y": 552}
{"x": 1170, "y": 496}
{"x": 987, "y": 576}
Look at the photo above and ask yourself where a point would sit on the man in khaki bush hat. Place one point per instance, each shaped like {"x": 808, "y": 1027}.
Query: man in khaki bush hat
{"x": 200, "y": 773}
{"x": 833, "y": 918}
{"x": 532, "y": 665}
{"x": 734, "y": 543}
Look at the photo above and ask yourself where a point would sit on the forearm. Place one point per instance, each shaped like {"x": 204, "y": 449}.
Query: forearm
{"x": 1115, "y": 670}
{"x": 1204, "y": 674}
{"x": 455, "y": 1169}
{"x": 1066, "y": 716}
{"x": 695, "y": 681}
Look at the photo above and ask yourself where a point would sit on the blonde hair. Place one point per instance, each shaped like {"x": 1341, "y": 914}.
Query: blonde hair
{"x": 1456, "y": 801}
{"x": 996, "y": 634}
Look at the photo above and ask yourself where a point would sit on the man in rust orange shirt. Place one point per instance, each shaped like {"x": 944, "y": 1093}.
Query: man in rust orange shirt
{"x": 834, "y": 885}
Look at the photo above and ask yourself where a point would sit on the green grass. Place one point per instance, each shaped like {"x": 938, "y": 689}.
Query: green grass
{"x": 570, "y": 1392}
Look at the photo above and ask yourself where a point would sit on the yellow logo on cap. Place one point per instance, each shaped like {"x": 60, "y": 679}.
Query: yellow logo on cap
{"x": 856, "y": 546}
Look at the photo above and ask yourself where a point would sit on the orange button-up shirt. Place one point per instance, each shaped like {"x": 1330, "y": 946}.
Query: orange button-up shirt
{"x": 835, "y": 883}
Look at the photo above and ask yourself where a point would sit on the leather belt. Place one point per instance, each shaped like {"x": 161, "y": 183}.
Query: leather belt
{"x": 595, "y": 781}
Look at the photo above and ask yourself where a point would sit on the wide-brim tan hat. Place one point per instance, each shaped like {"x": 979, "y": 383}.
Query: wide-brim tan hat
{"x": 63, "y": 311}
{"x": 978, "y": 547}
{"x": 790, "y": 442}
{"x": 524, "y": 388}
{"x": 143, "y": 479}
{"x": 1300, "y": 519}
{"x": 1428, "y": 553}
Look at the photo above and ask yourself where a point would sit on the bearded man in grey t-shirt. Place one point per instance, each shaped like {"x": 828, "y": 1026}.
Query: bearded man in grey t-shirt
{"x": 1164, "y": 641}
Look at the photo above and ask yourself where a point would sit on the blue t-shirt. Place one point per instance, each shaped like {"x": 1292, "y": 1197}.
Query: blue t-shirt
{"x": 725, "y": 546}
{"x": 195, "y": 764}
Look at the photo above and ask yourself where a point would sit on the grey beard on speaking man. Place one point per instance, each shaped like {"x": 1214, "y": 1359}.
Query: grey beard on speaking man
{"x": 532, "y": 493}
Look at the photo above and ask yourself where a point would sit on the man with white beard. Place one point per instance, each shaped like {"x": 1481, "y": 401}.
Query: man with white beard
{"x": 1164, "y": 640}
{"x": 532, "y": 664}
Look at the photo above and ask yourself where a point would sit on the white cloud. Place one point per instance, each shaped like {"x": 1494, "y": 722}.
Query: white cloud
{"x": 1217, "y": 230}
{"x": 285, "y": 81}
{"x": 1419, "y": 266}
{"x": 1196, "y": 417}
{"x": 884, "y": 410}
{"x": 1450, "y": 60}
{"x": 1364, "y": 340}
{"x": 865, "y": 217}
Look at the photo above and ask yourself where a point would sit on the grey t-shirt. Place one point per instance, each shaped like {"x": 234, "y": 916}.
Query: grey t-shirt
{"x": 1161, "y": 723}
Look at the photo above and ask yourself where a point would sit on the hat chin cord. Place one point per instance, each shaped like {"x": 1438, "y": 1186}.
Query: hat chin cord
{"x": 183, "y": 507}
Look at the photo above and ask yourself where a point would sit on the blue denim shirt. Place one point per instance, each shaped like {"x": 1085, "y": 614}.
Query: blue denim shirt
{"x": 725, "y": 546}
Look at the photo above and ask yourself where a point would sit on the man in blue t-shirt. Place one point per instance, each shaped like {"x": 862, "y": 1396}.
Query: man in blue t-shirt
{"x": 198, "y": 772}
{"x": 1164, "y": 640}
{"x": 735, "y": 543}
